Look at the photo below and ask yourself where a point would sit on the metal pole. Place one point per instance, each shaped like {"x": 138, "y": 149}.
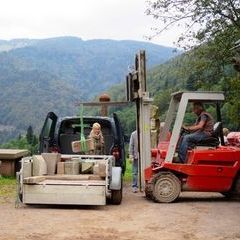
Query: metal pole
{"x": 219, "y": 118}
{"x": 139, "y": 142}
{"x": 144, "y": 103}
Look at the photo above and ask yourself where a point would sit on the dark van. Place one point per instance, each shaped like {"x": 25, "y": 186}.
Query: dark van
{"x": 58, "y": 133}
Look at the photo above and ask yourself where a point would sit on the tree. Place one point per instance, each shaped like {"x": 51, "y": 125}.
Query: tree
{"x": 29, "y": 135}
{"x": 203, "y": 19}
{"x": 191, "y": 83}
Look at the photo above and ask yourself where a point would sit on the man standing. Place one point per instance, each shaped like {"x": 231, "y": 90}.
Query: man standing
{"x": 133, "y": 156}
{"x": 202, "y": 129}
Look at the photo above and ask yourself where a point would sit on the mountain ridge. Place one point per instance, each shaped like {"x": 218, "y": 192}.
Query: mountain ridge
{"x": 37, "y": 76}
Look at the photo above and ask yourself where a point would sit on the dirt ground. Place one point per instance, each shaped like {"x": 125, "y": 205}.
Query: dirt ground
{"x": 194, "y": 216}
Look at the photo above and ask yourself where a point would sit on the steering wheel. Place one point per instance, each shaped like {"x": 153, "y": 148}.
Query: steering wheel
{"x": 184, "y": 131}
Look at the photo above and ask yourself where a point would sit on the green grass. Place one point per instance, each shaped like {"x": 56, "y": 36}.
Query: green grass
{"x": 128, "y": 173}
{"x": 7, "y": 188}
{"x": 7, "y": 181}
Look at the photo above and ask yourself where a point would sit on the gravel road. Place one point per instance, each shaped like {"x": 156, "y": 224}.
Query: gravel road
{"x": 195, "y": 216}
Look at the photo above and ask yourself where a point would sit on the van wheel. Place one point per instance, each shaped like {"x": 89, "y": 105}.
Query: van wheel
{"x": 166, "y": 188}
{"x": 116, "y": 197}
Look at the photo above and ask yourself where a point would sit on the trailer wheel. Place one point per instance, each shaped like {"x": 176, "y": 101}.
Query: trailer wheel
{"x": 116, "y": 197}
{"x": 166, "y": 188}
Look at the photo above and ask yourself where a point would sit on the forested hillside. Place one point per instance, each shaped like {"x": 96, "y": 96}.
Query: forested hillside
{"x": 184, "y": 73}
{"x": 37, "y": 76}
{"x": 211, "y": 29}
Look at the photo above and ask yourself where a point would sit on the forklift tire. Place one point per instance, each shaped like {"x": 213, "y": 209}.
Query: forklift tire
{"x": 227, "y": 194}
{"x": 234, "y": 193}
{"x": 116, "y": 197}
{"x": 149, "y": 191}
{"x": 237, "y": 186}
{"x": 166, "y": 188}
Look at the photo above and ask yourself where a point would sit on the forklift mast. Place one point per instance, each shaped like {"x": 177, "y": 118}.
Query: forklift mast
{"x": 137, "y": 92}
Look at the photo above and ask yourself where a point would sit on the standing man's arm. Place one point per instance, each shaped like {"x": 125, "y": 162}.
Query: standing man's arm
{"x": 131, "y": 148}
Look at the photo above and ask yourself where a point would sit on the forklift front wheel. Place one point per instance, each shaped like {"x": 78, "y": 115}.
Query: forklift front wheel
{"x": 167, "y": 187}
{"x": 234, "y": 193}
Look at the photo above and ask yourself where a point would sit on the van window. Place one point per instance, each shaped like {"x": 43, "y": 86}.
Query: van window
{"x": 47, "y": 128}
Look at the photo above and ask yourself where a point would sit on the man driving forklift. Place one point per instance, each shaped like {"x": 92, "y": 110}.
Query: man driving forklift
{"x": 201, "y": 130}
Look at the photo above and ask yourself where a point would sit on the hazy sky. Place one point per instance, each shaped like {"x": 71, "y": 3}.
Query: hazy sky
{"x": 88, "y": 19}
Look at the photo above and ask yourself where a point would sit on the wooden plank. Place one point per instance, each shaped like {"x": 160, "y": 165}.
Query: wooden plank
{"x": 90, "y": 104}
{"x": 62, "y": 194}
{"x": 73, "y": 182}
{"x": 38, "y": 179}
{"x": 74, "y": 177}
{"x": 34, "y": 180}
{"x": 93, "y": 158}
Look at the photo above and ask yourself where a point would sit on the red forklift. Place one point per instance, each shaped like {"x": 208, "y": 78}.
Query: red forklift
{"x": 210, "y": 166}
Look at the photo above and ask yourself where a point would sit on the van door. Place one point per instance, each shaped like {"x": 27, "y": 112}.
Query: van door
{"x": 120, "y": 141}
{"x": 46, "y": 138}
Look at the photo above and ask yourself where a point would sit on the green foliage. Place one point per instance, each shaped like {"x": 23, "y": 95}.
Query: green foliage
{"x": 29, "y": 142}
{"x": 29, "y": 135}
{"x": 126, "y": 114}
{"x": 21, "y": 143}
{"x": 162, "y": 100}
{"x": 203, "y": 19}
{"x": 128, "y": 173}
{"x": 127, "y": 117}
{"x": 207, "y": 66}
{"x": 233, "y": 106}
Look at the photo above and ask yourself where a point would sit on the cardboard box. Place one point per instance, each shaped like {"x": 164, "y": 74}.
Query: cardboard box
{"x": 77, "y": 146}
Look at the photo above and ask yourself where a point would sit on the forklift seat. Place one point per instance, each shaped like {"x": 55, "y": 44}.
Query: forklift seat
{"x": 217, "y": 128}
{"x": 213, "y": 140}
